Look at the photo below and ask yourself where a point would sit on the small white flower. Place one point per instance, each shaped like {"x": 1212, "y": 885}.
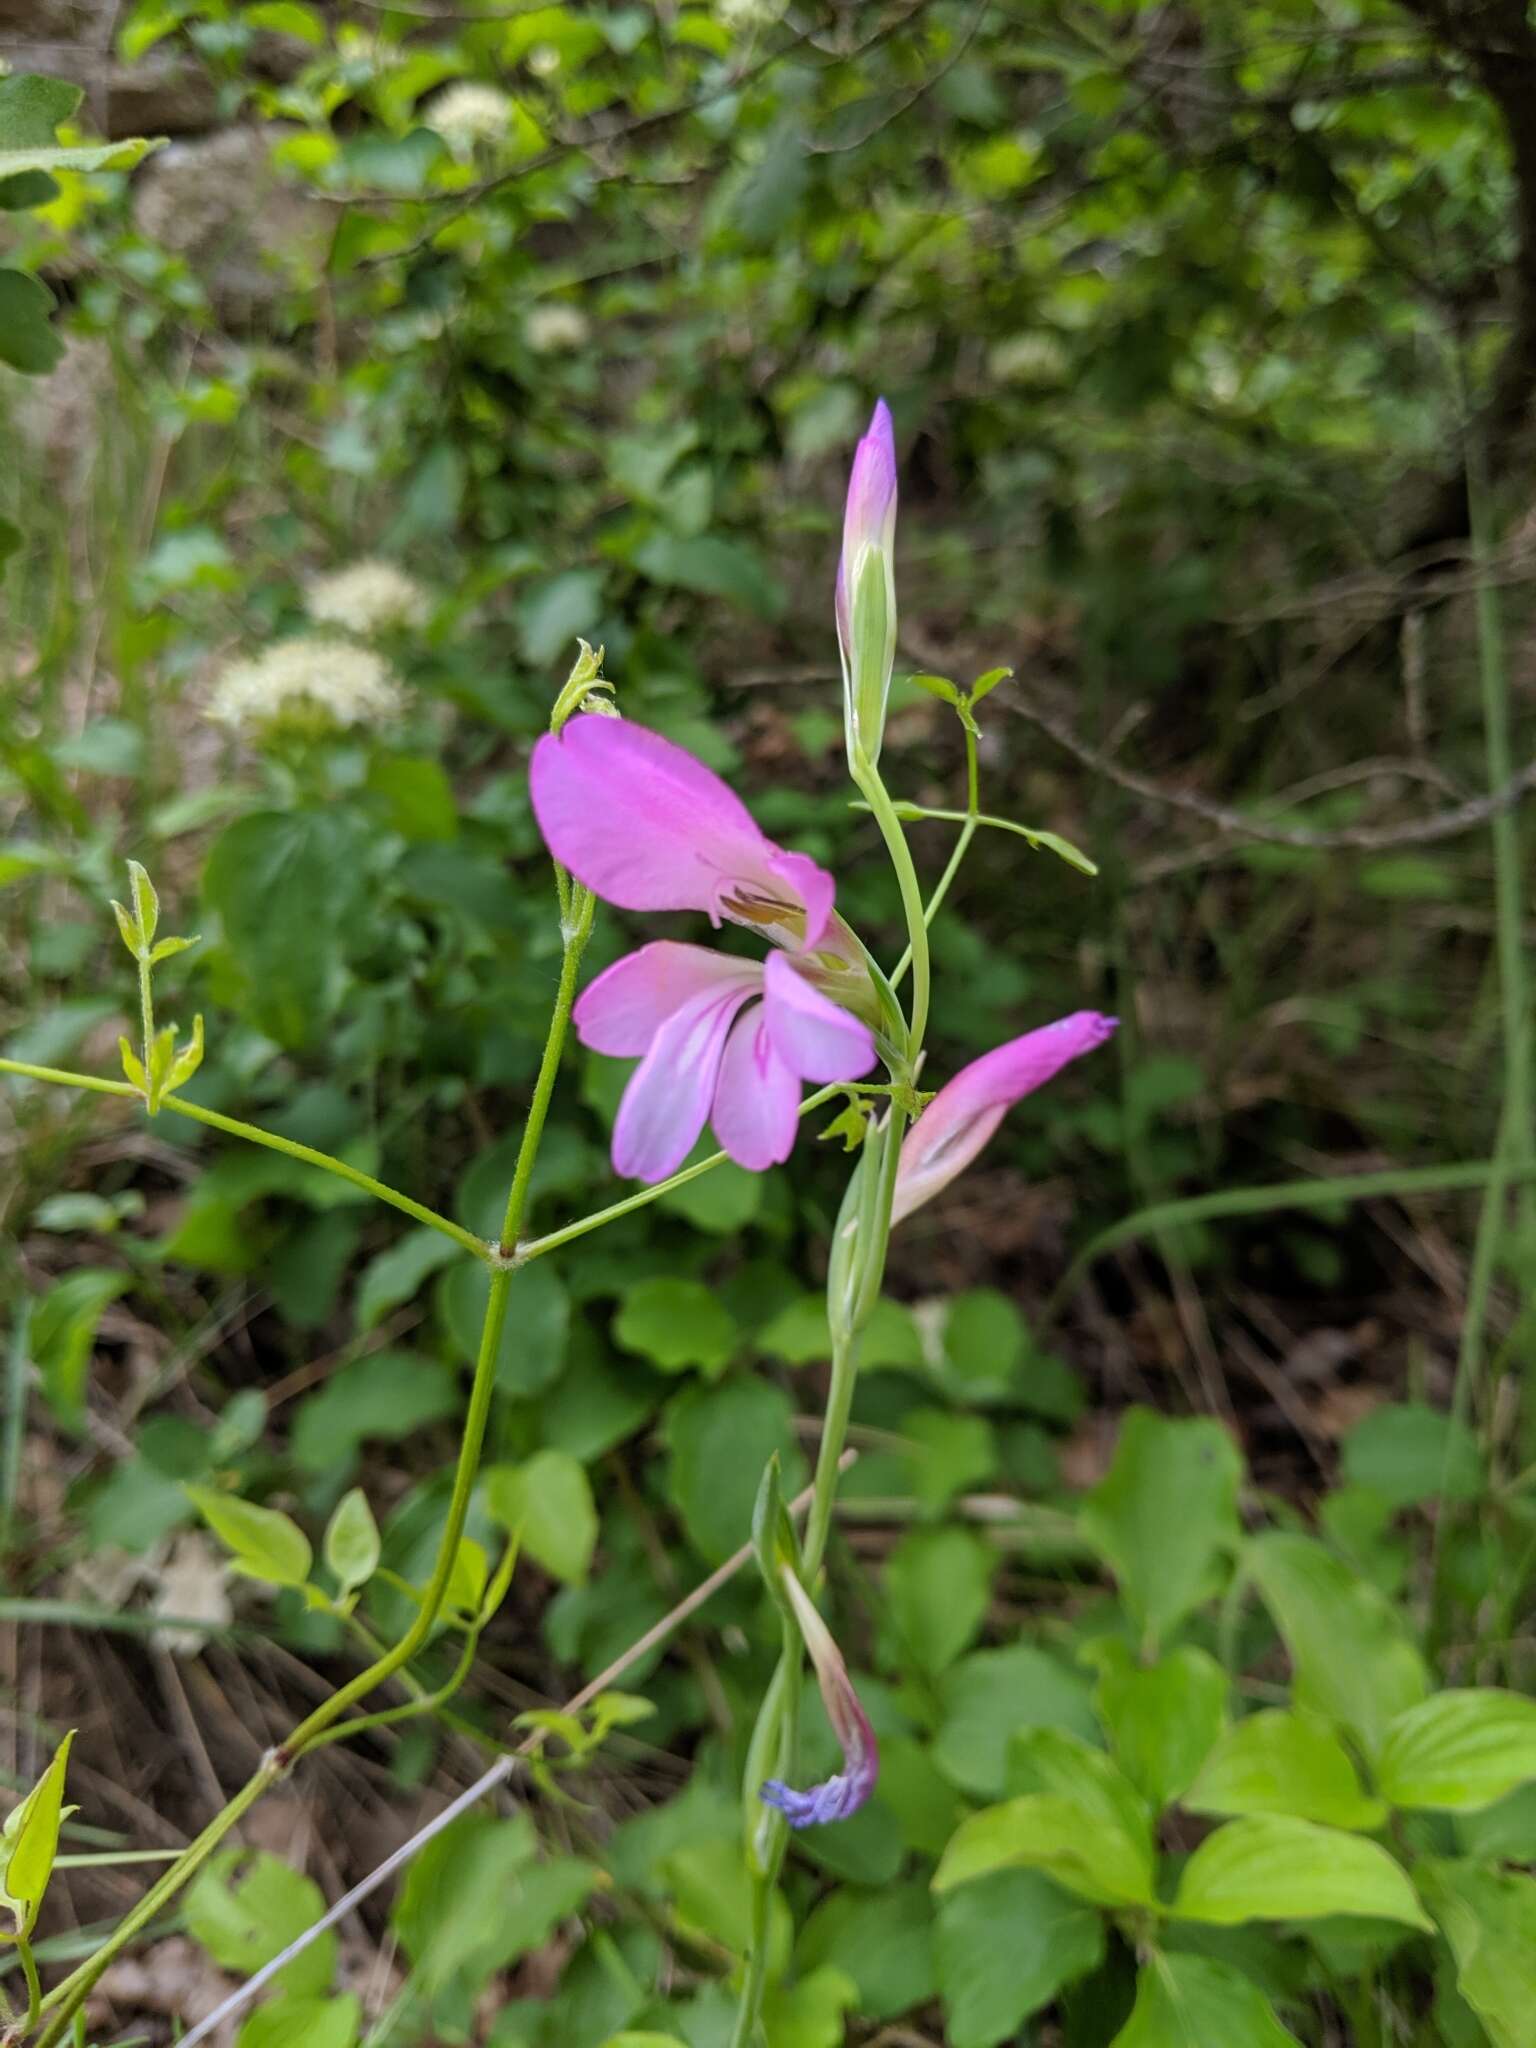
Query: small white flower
{"x": 309, "y": 683}
{"x": 367, "y": 597}
{"x": 748, "y": 14}
{"x": 556, "y": 328}
{"x": 468, "y": 114}
{"x": 544, "y": 60}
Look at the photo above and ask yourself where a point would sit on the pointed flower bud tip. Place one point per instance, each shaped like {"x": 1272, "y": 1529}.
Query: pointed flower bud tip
{"x": 866, "y": 587}
{"x": 967, "y": 1110}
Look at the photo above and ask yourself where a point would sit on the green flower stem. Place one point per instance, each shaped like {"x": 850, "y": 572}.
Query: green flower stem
{"x": 68, "y": 1996}
{"x": 147, "y": 1019}
{"x": 780, "y": 1702}
{"x": 538, "y": 1246}
{"x": 877, "y": 797}
{"x": 254, "y": 1135}
{"x": 972, "y": 817}
{"x": 1282, "y": 1194}
{"x": 1516, "y": 1144}
{"x": 34, "y": 1989}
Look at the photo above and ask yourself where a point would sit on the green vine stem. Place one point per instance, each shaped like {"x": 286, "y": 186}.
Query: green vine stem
{"x": 962, "y": 846}
{"x": 883, "y": 810}
{"x": 576, "y": 926}
{"x": 780, "y": 1702}
{"x": 253, "y": 1134}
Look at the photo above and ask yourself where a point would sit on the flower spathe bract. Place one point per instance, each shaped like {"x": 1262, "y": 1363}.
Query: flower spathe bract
{"x": 845, "y": 1793}
{"x": 967, "y": 1110}
{"x": 866, "y": 588}
{"x": 712, "y": 1052}
{"x": 643, "y": 824}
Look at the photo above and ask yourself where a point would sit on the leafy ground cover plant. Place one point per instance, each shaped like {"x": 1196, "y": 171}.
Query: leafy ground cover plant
{"x": 359, "y": 931}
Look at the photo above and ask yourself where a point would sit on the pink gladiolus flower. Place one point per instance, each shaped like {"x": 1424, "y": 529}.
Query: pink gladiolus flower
{"x": 646, "y": 826}
{"x": 709, "y": 1058}
{"x": 964, "y": 1114}
{"x": 847, "y": 1792}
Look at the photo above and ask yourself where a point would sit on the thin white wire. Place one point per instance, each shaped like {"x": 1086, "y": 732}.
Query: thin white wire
{"x": 499, "y": 1772}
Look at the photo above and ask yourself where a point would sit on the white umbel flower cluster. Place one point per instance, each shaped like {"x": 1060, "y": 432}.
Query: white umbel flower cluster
{"x": 311, "y": 683}
{"x": 556, "y": 329}
{"x": 367, "y": 597}
{"x": 468, "y": 114}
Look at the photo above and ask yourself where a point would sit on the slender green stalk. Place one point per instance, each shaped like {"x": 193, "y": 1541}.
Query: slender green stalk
{"x": 1281, "y": 1194}
{"x": 884, "y": 812}
{"x": 15, "y": 1418}
{"x": 1517, "y": 1139}
{"x": 62, "y": 1078}
{"x": 68, "y": 1995}
{"x": 538, "y": 1246}
{"x": 146, "y": 1007}
{"x": 972, "y": 816}
{"x": 254, "y": 1135}
{"x": 775, "y": 1729}
{"x": 34, "y": 1989}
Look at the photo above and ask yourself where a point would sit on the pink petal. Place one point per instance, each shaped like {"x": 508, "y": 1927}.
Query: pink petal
{"x": 757, "y": 1099}
{"x": 622, "y": 1011}
{"x": 647, "y": 826}
{"x": 816, "y": 1039}
{"x": 869, "y": 517}
{"x": 964, "y": 1114}
{"x": 639, "y": 820}
{"x": 813, "y": 886}
{"x": 667, "y": 1101}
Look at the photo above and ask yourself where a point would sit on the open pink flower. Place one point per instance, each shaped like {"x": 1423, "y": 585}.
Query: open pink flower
{"x": 708, "y": 1057}
{"x": 646, "y": 826}
{"x": 967, "y": 1110}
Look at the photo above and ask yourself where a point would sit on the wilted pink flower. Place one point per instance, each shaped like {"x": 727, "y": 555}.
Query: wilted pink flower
{"x": 846, "y": 1793}
{"x": 709, "y": 1058}
{"x": 967, "y": 1110}
{"x": 866, "y": 586}
{"x": 646, "y": 826}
